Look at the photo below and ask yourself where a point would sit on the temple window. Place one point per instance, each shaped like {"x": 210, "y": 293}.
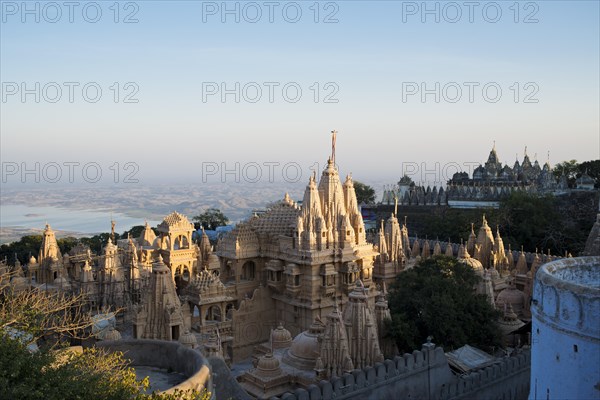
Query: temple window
{"x": 328, "y": 274}
{"x": 213, "y": 314}
{"x": 248, "y": 271}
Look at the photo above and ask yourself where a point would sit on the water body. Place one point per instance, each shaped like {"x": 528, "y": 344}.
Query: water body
{"x": 81, "y": 221}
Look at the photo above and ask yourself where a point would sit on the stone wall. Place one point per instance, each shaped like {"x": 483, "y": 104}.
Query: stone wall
{"x": 251, "y": 325}
{"x": 507, "y": 380}
{"x": 424, "y": 375}
{"x": 166, "y": 355}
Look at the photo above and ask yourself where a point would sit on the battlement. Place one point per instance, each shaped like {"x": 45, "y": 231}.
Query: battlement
{"x": 421, "y": 375}
{"x": 481, "y": 383}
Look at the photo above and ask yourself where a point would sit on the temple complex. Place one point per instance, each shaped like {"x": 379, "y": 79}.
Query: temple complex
{"x": 489, "y": 183}
{"x": 297, "y": 291}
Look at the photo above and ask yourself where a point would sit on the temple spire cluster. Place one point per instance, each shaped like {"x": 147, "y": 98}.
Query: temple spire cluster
{"x": 299, "y": 289}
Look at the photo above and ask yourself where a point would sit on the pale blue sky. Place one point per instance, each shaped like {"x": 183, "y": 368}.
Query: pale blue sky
{"x": 369, "y": 53}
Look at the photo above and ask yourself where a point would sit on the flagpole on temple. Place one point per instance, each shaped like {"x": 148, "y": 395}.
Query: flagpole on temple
{"x": 333, "y": 138}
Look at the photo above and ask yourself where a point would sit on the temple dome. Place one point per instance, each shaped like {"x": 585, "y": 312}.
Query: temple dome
{"x": 304, "y": 351}
{"x": 188, "y": 339}
{"x": 511, "y": 296}
{"x": 465, "y": 258}
{"x": 473, "y": 263}
{"x": 305, "y": 346}
{"x": 281, "y": 337}
{"x": 509, "y": 322}
{"x": 268, "y": 366}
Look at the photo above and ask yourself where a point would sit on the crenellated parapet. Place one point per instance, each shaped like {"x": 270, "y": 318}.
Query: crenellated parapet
{"x": 508, "y": 378}
{"x": 421, "y": 375}
{"x": 403, "y": 377}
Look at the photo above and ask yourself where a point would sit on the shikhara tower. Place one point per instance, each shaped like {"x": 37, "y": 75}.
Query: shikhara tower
{"x": 312, "y": 255}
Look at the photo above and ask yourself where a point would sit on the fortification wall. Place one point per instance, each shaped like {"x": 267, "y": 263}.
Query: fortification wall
{"x": 507, "y": 380}
{"x": 423, "y": 375}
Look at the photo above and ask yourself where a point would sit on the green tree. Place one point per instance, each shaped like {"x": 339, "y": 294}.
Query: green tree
{"x": 50, "y": 319}
{"x": 211, "y": 219}
{"x": 97, "y": 242}
{"x": 92, "y": 374}
{"x": 136, "y": 231}
{"x": 67, "y": 243}
{"x": 532, "y": 221}
{"x": 437, "y": 298}
{"x": 569, "y": 169}
{"x": 592, "y": 168}
{"x": 24, "y": 248}
{"x": 364, "y": 193}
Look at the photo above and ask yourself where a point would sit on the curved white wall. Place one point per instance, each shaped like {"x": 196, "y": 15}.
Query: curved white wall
{"x": 565, "y": 353}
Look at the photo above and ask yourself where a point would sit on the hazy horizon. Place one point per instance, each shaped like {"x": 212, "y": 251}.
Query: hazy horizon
{"x": 374, "y": 71}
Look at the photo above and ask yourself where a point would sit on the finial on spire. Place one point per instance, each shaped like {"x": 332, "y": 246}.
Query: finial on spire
{"x": 494, "y": 148}
{"x": 525, "y": 151}
{"x": 333, "y": 139}
{"x": 395, "y": 205}
{"x": 112, "y": 227}
{"x": 548, "y": 156}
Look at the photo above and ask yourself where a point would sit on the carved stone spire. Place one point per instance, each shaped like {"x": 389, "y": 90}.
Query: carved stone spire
{"x": 361, "y": 329}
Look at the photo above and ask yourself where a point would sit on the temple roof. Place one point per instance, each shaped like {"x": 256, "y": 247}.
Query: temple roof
{"x": 175, "y": 221}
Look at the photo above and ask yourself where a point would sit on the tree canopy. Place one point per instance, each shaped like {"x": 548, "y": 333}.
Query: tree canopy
{"x": 572, "y": 170}
{"x": 437, "y": 298}
{"x": 211, "y": 219}
{"x": 364, "y": 193}
{"x": 531, "y": 221}
{"x": 92, "y": 374}
{"x": 592, "y": 168}
{"x": 51, "y": 320}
